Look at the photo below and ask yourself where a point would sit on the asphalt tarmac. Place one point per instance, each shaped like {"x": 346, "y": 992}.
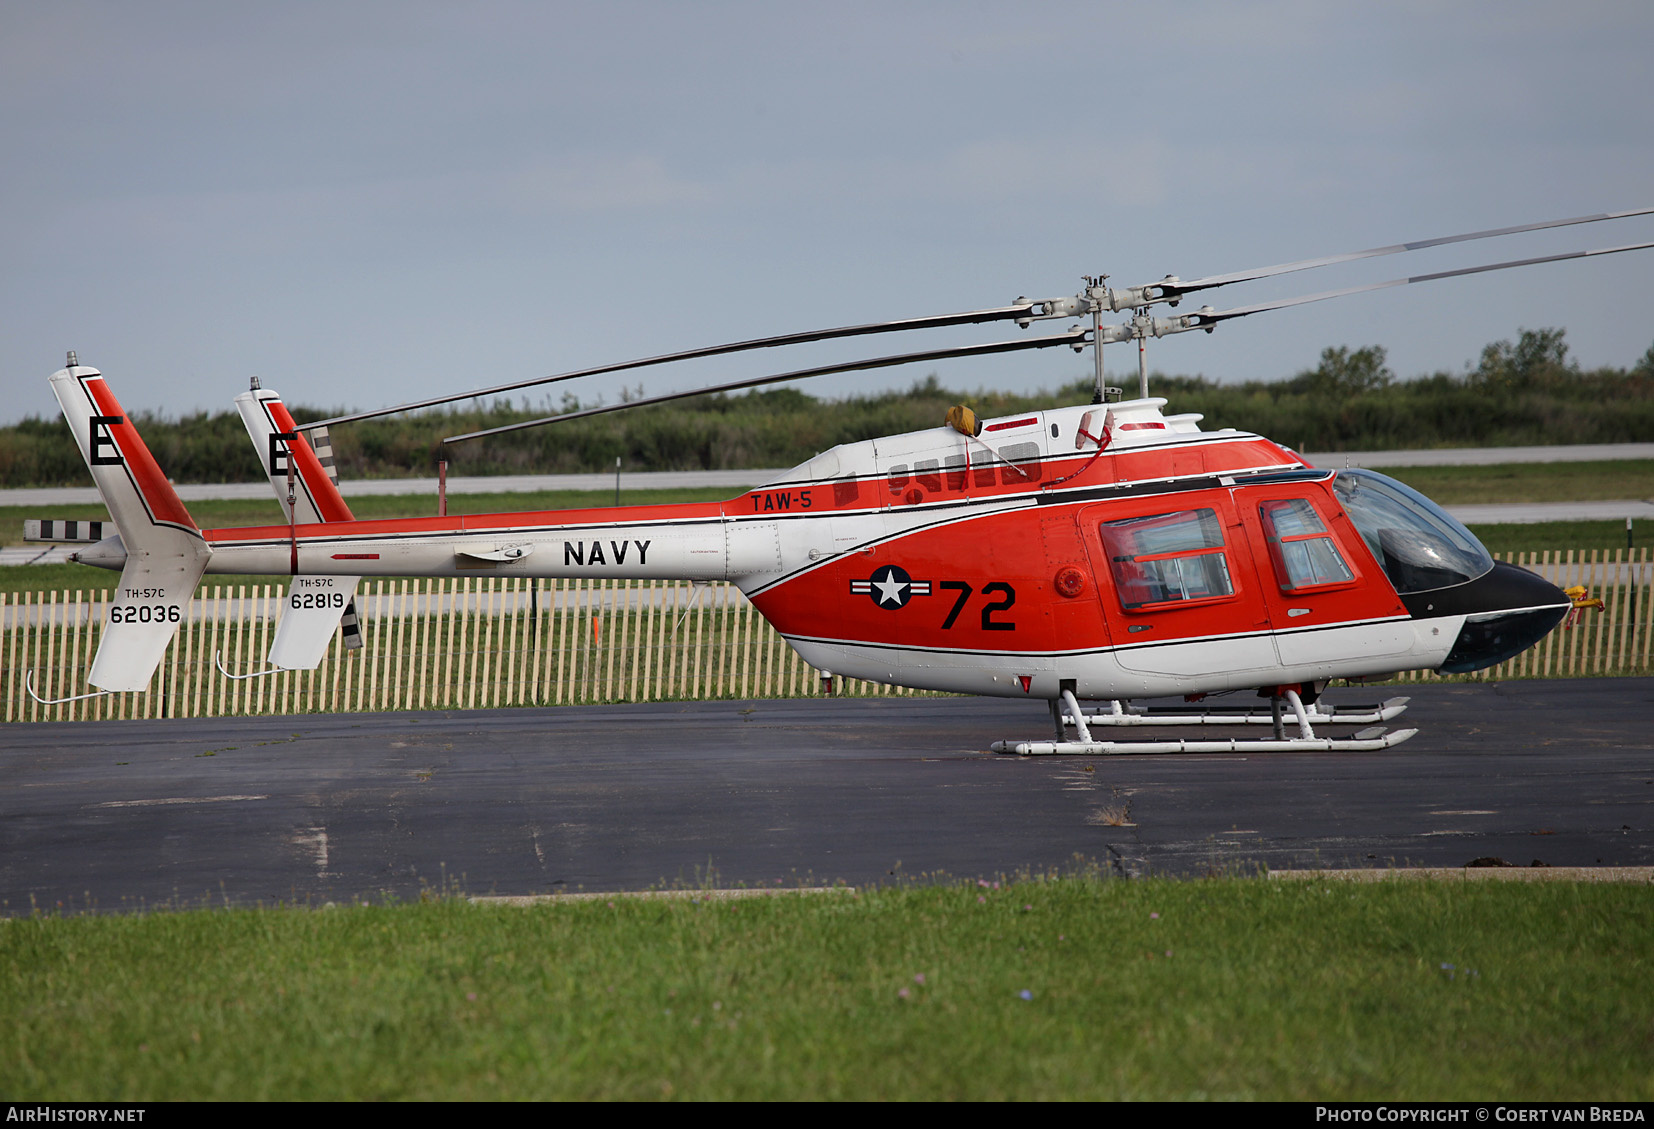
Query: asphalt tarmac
{"x": 310, "y": 809}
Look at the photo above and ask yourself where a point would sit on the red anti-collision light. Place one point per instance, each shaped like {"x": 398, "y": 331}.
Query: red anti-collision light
{"x": 1070, "y": 582}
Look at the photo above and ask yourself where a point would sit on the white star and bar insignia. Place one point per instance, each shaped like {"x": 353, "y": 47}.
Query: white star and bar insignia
{"x": 890, "y": 587}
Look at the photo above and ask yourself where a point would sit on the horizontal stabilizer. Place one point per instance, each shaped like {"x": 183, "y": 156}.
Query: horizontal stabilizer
{"x": 78, "y": 532}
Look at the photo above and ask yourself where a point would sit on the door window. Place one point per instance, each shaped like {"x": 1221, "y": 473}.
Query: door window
{"x": 1300, "y": 547}
{"x": 1167, "y": 558}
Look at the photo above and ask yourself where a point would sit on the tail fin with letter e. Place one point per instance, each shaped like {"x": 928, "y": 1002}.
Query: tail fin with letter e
{"x": 165, "y": 553}
{"x": 315, "y": 605}
{"x": 277, "y": 440}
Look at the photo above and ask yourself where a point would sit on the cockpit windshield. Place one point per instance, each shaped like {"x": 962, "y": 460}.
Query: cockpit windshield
{"x": 1419, "y": 546}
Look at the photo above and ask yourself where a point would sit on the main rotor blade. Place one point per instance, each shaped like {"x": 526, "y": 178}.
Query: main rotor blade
{"x": 1212, "y": 318}
{"x": 1000, "y": 313}
{"x": 1072, "y": 338}
{"x": 1211, "y": 281}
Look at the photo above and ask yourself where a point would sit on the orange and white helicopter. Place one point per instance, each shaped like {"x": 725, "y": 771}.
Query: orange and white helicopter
{"x": 1102, "y": 552}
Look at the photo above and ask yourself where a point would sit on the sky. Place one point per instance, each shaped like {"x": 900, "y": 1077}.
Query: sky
{"x": 367, "y": 203}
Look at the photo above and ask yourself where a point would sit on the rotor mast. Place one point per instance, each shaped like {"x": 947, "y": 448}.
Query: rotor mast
{"x": 1097, "y": 299}
{"x": 1093, "y": 283}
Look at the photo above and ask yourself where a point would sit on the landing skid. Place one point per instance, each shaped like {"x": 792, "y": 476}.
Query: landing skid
{"x": 1317, "y": 714}
{"x": 1305, "y": 741}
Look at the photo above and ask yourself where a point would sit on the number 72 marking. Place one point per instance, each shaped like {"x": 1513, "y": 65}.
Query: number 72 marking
{"x": 989, "y": 623}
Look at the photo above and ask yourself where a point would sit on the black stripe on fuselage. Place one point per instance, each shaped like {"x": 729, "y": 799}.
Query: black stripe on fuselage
{"x": 1000, "y": 503}
{"x": 1178, "y": 485}
{"x": 1116, "y": 648}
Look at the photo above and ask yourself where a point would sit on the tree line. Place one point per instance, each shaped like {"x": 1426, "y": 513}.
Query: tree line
{"x": 1523, "y": 392}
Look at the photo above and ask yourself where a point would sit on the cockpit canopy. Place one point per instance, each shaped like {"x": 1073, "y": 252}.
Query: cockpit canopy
{"x": 1419, "y": 546}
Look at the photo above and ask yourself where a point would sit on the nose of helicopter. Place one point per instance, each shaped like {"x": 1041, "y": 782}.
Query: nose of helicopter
{"x": 1507, "y": 610}
{"x": 1440, "y": 570}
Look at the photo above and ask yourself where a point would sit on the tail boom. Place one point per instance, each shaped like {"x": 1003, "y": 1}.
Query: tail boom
{"x": 699, "y": 542}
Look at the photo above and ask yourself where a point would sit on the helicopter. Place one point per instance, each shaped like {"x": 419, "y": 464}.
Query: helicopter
{"x": 1104, "y": 552}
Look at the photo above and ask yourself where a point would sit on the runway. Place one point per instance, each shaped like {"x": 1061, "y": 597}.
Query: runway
{"x": 311, "y": 809}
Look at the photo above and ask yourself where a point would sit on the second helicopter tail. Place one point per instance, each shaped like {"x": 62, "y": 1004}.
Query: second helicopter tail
{"x": 308, "y": 491}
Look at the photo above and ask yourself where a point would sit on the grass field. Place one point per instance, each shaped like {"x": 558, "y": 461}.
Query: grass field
{"x": 1078, "y": 988}
{"x": 1612, "y": 480}
{"x": 1581, "y": 536}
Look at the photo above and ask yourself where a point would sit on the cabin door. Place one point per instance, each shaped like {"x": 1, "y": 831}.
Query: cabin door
{"x": 1178, "y": 586}
{"x": 1326, "y": 604}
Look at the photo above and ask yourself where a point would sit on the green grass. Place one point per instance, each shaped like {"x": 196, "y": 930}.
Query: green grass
{"x": 58, "y": 578}
{"x": 1612, "y": 480}
{"x": 1239, "y": 988}
{"x": 1560, "y": 535}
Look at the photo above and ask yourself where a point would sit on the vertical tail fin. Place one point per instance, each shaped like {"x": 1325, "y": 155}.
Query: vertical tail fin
{"x": 315, "y": 605}
{"x": 165, "y": 553}
{"x": 276, "y": 439}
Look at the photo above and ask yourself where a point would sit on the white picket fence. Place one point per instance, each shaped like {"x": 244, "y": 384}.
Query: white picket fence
{"x": 1612, "y": 640}
{"x": 477, "y": 643}
{"x": 467, "y": 643}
